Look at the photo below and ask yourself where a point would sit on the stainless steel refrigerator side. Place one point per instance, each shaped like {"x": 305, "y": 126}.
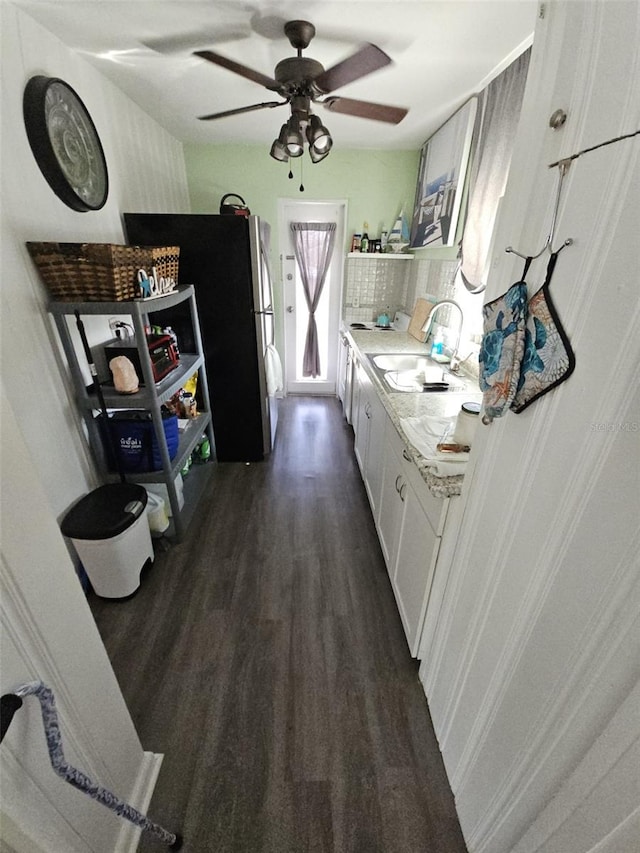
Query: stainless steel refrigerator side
{"x": 268, "y": 317}
{"x": 259, "y": 232}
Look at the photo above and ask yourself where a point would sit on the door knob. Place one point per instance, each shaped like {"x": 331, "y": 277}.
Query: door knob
{"x": 289, "y": 276}
{"x": 290, "y": 309}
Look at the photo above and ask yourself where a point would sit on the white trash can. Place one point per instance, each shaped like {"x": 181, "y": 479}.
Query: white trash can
{"x": 110, "y": 531}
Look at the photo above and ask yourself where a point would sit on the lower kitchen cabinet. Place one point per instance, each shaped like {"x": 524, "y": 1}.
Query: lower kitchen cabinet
{"x": 345, "y": 376}
{"x": 360, "y": 421}
{"x": 415, "y": 564}
{"x": 369, "y": 425}
{"x": 410, "y": 522}
{"x": 389, "y": 520}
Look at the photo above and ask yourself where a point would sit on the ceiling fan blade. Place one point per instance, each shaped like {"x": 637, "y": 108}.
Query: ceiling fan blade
{"x": 239, "y": 110}
{"x": 237, "y": 68}
{"x": 365, "y": 60}
{"x": 365, "y": 109}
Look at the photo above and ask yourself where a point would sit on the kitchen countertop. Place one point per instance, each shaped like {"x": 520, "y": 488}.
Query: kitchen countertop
{"x": 403, "y": 405}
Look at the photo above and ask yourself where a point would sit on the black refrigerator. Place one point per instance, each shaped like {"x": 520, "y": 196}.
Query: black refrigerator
{"x": 226, "y": 258}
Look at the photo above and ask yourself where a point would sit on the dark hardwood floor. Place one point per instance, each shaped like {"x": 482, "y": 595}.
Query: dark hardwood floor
{"x": 265, "y": 658}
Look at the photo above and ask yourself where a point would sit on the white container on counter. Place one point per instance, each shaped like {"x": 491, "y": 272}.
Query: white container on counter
{"x": 466, "y": 424}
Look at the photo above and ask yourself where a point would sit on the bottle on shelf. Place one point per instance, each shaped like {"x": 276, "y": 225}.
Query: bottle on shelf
{"x": 364, "y": 241}
{"x": 202, "y": 451}
{"x": 169, "y": 331}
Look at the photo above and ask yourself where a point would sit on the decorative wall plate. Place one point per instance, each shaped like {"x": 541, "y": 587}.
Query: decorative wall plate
{"x": 65, "y": 143}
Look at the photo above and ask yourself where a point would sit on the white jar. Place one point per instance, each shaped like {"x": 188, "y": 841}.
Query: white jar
{"x": 466, "y": 424}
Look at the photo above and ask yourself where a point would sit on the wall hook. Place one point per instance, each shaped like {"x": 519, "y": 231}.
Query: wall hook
{"x": 563, "y": 168}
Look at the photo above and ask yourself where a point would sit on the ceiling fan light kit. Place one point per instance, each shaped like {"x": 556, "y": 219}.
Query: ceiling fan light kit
{"x": 278, "y": 150}
{"x": 301, "y": 80}
{"x": 318, "y": 136}
{"x": 301, "y": 124}
{"x": 294, "y": 143}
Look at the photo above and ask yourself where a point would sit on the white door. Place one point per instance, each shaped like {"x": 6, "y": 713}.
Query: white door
{"x": 296, "y": 314}
{"x": 48, "y": 634}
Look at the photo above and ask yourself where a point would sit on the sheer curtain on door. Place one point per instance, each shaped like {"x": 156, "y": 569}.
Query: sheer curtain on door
{"x": 313, "y": 246}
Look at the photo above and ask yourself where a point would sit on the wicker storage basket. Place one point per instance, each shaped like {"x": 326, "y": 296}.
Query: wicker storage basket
{"x": 100, "y": 272}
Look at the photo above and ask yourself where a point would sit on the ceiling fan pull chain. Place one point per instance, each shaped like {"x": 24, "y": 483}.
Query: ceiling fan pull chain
{"x": 301, "y": 170}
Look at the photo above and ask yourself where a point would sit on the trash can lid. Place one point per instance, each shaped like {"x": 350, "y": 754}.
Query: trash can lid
{"x": 105, "y": 512}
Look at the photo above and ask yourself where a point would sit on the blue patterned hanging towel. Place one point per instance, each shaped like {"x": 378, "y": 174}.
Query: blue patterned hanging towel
{"x": 548, "y": 358}
{"x": 503, "y": 342}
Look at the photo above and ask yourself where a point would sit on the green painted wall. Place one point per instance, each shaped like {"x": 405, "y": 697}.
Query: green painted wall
{"x": 376, "y": 184}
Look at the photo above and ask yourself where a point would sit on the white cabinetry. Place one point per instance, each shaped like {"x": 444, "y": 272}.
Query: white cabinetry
{"x": 345, "y": 376}
{"x": 389, "y": 521}
{"x": 369, "y": 428}
{"x": 410, "y": 523}
{"x": 361, "y": 387}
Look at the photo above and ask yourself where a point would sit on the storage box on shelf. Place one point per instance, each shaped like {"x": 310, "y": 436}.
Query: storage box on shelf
{"x": 91, "y": 272}
{"x": 150, "y": 397}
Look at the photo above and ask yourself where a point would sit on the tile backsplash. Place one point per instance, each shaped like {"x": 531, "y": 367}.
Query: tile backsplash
{"x": 372, "y": 285}
{"x": 377, "y": 283}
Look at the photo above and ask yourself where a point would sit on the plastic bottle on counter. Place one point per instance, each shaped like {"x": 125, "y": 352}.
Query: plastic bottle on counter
{"x": 437, "y": 344}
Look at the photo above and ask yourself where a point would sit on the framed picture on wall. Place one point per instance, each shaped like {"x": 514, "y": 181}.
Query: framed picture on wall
{"x": 443, "y": 168}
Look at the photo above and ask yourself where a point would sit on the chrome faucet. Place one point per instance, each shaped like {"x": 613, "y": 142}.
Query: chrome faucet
{"x": 454, "y": 362}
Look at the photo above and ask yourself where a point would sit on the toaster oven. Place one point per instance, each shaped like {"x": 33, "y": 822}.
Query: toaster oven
{"x": 163, "y": 354}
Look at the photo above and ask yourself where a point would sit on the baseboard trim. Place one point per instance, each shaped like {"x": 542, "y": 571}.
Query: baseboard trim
{"x": 129, "y": 835}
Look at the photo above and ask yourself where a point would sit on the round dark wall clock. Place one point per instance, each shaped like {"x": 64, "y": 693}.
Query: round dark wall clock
{"x": 65, "y": 143}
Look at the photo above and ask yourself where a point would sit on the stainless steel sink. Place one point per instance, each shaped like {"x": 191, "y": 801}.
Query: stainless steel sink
{"x": 414, "y": 373}
{"x": 401, "y": 361}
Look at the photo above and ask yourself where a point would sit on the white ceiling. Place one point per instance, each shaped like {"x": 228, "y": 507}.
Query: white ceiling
{"x": 442, "y": 51}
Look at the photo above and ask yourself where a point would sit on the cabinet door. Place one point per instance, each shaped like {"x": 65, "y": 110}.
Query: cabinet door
{"x": 415, "y": 563}
{"x": 361, "y": 417}
{"x": 343, "y": 358}
{"x": 391, "y": 507}
{"x": 374, "y": 458}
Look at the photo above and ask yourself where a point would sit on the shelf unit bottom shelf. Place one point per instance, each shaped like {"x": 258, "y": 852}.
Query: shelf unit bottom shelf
{"x": 194, "y": 485}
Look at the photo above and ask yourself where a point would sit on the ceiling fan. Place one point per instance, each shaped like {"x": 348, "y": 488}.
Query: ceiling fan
{"x": 302, "y": 81}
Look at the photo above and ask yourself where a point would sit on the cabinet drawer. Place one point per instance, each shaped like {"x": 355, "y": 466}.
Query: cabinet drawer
{"x": 434, "y": 508}
{"x": 393, "y": 438}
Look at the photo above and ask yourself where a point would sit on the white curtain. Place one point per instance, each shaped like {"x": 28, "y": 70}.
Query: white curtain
{"x": 313, "y": 246}
{"x": 500, "y": 104}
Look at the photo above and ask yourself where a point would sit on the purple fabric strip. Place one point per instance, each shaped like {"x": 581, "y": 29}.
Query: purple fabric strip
{"x": 76, "y": 777}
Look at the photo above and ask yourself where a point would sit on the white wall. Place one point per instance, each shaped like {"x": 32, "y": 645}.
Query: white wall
{"x": 532, "y": 670}
{"x": 146, "y": 172}
{"x": 47, "y": 629}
